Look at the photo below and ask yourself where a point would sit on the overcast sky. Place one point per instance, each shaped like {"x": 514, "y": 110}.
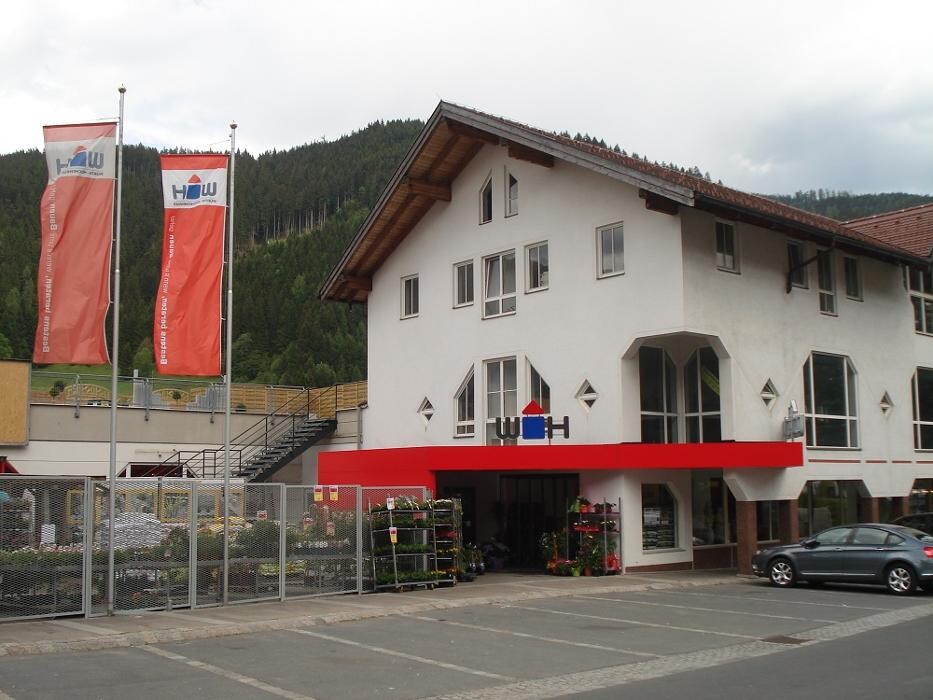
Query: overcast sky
{"x": 766, "y": 96}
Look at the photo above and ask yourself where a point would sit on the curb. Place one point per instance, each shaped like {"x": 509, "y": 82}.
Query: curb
{"x": 187, "y": 634}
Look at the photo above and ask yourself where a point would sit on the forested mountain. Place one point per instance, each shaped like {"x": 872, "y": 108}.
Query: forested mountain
{"x": 844, "y": 206}
{"x": 296, "y": 210}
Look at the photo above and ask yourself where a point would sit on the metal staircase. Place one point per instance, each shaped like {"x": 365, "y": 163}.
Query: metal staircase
{"x": 268, "y": 445}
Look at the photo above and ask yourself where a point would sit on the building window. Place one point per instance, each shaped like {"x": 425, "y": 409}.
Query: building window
{"x": 426, "y": 411}
{"x": 767, "y": 516}
{"x": 499, "y": 284}
{"x": 922, "y": 388}
{"x": 485, "y": 201}
{"x": 823, "y": 504}
{"x": 713, "y": 508}
{"x": 463, "y": 283}
{"x": 799, "y": 276}
{"x": 537, "y": 274}
{"x": 657, "y": 378}
{"x": 658, "y": 517}
{"x": 921, "y": 296}
{"x": 831, "y": 414}
{"x": 726, "y": 255}
{"x": 587, "y": 395}
{"x": 853, "y": 278}
{"x": 540, "y": 391}
{"x": 501, "y": 397}
{"x": 511, "y": 194}
{"x": 410, "y": 296}
{"x": 611, "y": 250}
{"x": 466, "y": 409}
{"x": 826, "y": 281}
{"x": 701, "y": 397}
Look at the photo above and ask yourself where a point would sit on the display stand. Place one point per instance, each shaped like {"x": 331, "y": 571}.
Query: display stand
{"x": 447, "y": 515}
{"x": 404, "y": 551}
{"x": 594, "y": 530}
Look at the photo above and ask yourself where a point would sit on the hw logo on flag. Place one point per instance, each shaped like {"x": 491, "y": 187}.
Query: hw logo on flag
{"x": 80, "y": 162}
{"x": 194, "y": 189}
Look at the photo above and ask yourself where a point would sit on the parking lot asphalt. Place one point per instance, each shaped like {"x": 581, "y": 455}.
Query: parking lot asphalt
{"x": 510, "y": 637}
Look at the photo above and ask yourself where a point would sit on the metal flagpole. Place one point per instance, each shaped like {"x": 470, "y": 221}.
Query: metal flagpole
{"x": 229, "y": 370}
{"x": 115, "y": 359}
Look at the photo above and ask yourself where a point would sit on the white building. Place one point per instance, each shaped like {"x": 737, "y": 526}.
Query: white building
{"x": 671, "y": 320}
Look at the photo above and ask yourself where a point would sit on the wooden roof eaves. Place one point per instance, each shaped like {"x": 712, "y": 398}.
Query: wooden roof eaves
{"x": 334, "y": 277}
{"x": 516, "y": 134}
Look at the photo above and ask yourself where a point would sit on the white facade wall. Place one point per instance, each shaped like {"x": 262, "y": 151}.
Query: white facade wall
{"x": 576, "y": 330}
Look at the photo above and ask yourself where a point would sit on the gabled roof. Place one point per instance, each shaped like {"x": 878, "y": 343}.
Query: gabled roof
{"x": 910, "y": 229}
{"x": 453, "y": 135}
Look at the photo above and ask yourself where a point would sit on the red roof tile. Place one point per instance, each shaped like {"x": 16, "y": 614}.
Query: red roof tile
{"x": 910, "y": 229}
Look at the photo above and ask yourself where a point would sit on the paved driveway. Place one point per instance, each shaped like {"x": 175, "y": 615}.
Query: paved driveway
{"x": 531, "y": 648}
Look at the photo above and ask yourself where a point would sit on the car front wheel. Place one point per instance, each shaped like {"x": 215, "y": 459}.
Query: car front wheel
{"x": 781, "y": 572}
{"x": 900, "y": 579}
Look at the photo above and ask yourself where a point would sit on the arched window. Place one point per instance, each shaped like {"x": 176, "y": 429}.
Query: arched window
{"x": 701, "y": 397}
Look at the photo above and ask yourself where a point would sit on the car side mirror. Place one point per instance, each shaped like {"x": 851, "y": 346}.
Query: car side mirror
{"x": 809, "y": 543}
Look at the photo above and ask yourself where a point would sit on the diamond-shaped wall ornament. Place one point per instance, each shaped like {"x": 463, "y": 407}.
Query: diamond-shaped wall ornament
{"x": 426, "y": 411}
{"x": 587, "y": 395}
{"x": 768, "y": 393}
{"x": 886, "y": 404}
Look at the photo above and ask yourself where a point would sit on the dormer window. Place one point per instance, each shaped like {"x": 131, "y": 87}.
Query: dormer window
{"x": 485, "y": 201}
{"x": 511, "y": 194}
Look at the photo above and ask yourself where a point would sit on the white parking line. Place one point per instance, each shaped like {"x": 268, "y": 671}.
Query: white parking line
{"x": 230, "y": 675}
{"x": 637, "y": 623}
{"x": 844, "y": 606}
{"x": 403, "y": 655}
{"x": 553, "y": 640}
{"x": 691, "y": 607}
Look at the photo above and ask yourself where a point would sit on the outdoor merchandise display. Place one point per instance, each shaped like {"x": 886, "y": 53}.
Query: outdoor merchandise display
{"x": 591, "y": 542}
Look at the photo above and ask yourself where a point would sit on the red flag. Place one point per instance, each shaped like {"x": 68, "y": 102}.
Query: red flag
{"x": 73, "y": 280}
{"x": 186, "y": 329}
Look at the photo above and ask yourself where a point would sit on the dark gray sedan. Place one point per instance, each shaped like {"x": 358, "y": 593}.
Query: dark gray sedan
{"x": 898, "y": 557}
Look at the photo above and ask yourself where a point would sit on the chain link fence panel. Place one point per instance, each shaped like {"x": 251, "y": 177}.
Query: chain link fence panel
{"x": 323, "y": 538}
{"x": 255, "y": 545}
{"x": 42, "y": 546}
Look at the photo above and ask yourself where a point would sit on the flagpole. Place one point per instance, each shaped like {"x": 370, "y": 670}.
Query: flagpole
{"x": 115, "y": 358}
{"x": 229, "y": 370}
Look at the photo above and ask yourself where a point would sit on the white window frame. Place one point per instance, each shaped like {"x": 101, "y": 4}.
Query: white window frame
{"x": 505, "y": 400}
{"x": 469, "y": 280}
{"x": 511, "y": 203}
{"x": 919, "y": 424}
{"x": 502, "y": 297}
{"x": 487, "y": 186}
{"x": 538, "y": 389}
{"x": 804, "y": 271}
{"x": 700, "y": 414}
{"x": 921, "y": 298}
{"x": 667, "y": 411}
{"x": 856, "y": 267}
{"x": 849, "y": 417}
{"x": 411, "y": 302}
{"x": 722, "y": 257}
{"x": 826, "y": 288}
{"x": 601, "y": 271}
{"x": 465, "y": 420}
{"x": 533, "y": 251}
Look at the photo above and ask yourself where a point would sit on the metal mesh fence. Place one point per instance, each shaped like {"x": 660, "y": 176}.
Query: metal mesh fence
{"x": 322, "y": 540}
{"x": 285, "y": 541}
{"x": 42, "y": 546}
{"x": 255, "y": 545}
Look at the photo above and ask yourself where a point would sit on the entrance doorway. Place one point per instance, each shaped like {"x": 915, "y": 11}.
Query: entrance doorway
{"x": 529, "y": 505}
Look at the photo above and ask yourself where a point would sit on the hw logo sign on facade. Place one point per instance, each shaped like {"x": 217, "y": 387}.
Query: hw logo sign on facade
{"x": 531, "y": 425}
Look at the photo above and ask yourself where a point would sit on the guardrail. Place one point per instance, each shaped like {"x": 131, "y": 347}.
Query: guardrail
{"x": 186, "y": 394}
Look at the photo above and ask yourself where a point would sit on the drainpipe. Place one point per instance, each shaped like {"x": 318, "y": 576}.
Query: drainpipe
{"x": 359, "y": 424}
